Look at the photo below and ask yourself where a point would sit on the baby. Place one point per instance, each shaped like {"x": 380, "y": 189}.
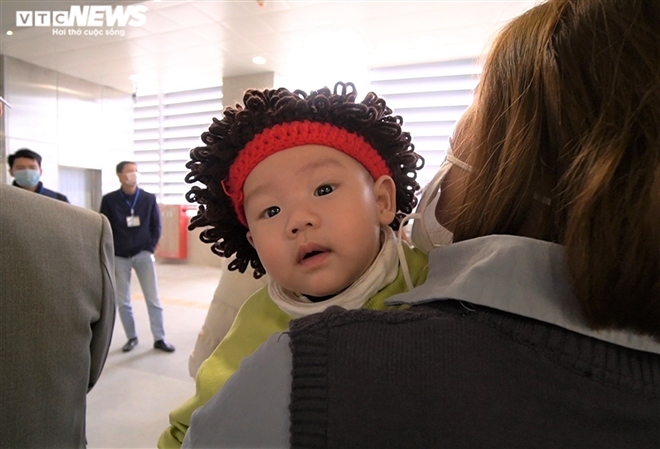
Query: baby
{"x": 308, "y": 188}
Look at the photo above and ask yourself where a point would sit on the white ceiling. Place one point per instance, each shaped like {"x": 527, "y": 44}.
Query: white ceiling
{"x": 187, "y": 44}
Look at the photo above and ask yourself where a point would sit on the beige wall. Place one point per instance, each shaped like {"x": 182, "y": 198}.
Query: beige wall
{"x": 199, "y": 253}
{"x": 68, "y": 121}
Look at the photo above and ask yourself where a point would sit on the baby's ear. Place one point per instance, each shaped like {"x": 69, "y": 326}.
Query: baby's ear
{"x": 385, "y": 194}
{"x": 249, "y": 238}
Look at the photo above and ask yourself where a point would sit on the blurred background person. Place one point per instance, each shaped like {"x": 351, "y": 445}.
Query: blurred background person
{"x": 135, "y": 219}
{"x": 25, "y": 168}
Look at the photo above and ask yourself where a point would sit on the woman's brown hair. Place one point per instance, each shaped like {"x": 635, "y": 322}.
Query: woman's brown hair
{"x": 564, "y": 136}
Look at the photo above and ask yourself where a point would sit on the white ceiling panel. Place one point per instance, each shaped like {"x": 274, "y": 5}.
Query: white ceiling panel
{"x": 184, "y": 44}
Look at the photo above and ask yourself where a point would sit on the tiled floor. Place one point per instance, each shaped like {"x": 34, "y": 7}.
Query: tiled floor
{"x": 129, "y": 405}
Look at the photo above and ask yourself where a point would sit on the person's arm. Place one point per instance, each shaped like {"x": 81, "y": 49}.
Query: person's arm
{"x": 104, "y": 207}
{"x": 252, "y": 409}
{"x": 155, "y": 223}
{"x": 108, "y": 208}
{"x": 102, "y": 328}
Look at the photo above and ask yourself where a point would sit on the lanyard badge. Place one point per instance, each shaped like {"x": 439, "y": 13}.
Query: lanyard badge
{"x": 132, "y": 221}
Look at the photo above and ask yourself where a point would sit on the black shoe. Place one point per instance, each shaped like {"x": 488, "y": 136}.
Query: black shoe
{"x": 130, "y": 344}
{"x": 164, "y": 346}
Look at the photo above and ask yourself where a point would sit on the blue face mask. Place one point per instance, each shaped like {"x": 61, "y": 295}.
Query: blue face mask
{"x": 27, "y": 177}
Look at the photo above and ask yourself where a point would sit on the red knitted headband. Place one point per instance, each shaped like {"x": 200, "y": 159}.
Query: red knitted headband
{"x": 288, "y": 135}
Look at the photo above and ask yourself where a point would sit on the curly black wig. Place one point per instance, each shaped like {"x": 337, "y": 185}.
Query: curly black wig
{"x": 209, "y": 165}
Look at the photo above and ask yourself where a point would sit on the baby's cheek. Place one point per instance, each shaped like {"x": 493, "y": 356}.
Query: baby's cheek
{"x": 269, "y": 253}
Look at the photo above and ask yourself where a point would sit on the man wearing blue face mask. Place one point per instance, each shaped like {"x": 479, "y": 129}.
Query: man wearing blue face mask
{"x": 25, "y": 168}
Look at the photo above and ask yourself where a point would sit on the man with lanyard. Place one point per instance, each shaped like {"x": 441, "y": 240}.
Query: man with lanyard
{"x": 135, "y": 220}
{"x": 25, "y": 168}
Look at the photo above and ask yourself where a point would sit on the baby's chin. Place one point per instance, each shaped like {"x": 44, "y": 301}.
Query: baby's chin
{"x": 321, "y": 296}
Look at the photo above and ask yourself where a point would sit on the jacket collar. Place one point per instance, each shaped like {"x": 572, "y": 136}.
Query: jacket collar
{"x": 513, "y": 274}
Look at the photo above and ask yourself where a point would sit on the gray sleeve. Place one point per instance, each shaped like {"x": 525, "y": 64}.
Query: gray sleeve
{"x": 102, "y": 328}
{"x": 252, "y": 408}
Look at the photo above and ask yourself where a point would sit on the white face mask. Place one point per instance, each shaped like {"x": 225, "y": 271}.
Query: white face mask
{"x": 427, "y": 233}
{"x": 132, "y": 178}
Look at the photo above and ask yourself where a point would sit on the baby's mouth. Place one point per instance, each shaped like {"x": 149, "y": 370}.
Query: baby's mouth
{"x": 312, "y": 254}
{"x": 309, "y": 251}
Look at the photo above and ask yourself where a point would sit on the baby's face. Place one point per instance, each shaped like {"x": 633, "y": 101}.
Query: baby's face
{"x": 314, "y": 218}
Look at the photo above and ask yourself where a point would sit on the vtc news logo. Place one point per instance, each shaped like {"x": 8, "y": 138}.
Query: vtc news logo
{"x": 85, "y": 16}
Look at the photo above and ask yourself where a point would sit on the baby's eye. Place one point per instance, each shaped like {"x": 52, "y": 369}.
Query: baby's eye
{"x": 324, "y": 190}
{"x": 271, "y": 212}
